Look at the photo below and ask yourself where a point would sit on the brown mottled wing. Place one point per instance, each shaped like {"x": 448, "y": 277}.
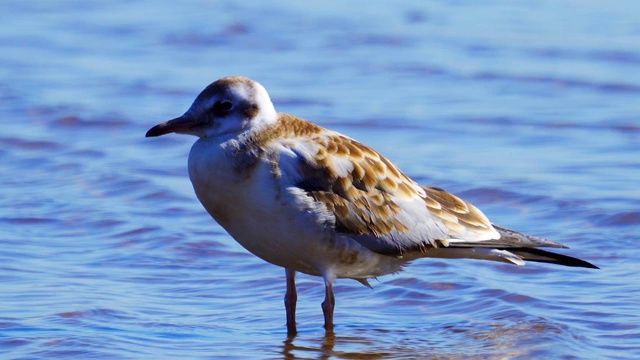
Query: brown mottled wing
{"x": 359, "y": 186}
{"x": 374, "y": 202}
{"x": 461, "y": 219}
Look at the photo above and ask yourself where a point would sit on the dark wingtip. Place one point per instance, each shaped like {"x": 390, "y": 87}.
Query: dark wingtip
{"x": 582, "y": 264}
{"x": 539, "y": 255}
{"x": 590, "y": 265}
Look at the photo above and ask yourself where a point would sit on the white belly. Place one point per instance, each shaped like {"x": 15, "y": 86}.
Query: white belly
{"x": 276, "y": 222}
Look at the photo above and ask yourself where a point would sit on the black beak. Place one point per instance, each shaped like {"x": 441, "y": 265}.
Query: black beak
{"x": 177, "y": 125}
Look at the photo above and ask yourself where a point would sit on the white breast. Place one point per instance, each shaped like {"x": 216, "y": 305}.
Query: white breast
{"x": 273, "y": 220}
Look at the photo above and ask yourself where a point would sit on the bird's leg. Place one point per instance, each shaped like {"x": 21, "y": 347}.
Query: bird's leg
{"x": 290, "y": 299}
{"x": 328, "y": 305}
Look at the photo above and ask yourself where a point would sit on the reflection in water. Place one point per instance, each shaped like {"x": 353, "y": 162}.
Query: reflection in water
{"x": 324, "y": 348}
{"x": 449, "y": 342}
{"x": 532, "y": 115}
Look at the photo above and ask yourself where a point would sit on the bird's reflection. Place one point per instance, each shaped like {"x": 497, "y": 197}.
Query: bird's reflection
{"x": 498, "y": 340}
{"x": 325, "y": 350}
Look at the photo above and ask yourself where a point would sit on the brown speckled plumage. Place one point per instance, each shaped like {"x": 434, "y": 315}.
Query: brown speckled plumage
{"x": 315, "y": 201}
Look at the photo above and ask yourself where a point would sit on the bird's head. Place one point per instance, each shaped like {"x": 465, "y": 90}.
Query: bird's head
{"x": 230, "y": 105}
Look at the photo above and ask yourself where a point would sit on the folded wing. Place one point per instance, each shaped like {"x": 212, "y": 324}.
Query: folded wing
{"x": 376, "y": 204}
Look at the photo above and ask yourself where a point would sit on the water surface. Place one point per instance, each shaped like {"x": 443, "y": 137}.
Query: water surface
{"x": 530, "y": 111}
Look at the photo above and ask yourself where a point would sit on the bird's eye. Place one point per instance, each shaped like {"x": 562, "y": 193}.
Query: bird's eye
{"x": 223, "y": 106}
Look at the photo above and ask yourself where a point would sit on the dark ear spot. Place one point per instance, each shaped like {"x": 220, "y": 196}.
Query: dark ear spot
{"x": 252, "y": 111}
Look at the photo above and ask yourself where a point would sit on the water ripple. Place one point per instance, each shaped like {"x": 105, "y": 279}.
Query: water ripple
{"x": 105, "y": 252}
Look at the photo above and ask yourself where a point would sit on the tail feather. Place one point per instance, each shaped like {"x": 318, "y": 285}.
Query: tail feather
{"x": 512, "y": 246}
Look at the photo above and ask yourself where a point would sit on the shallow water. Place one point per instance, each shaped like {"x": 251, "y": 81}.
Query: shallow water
{"x": 529, "y": 111}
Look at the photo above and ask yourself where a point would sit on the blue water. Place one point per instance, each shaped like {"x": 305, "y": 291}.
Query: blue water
{"x": 529, "y": 110}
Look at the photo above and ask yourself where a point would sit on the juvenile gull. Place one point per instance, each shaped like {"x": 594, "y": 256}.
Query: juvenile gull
{"x": 312, "y": 200}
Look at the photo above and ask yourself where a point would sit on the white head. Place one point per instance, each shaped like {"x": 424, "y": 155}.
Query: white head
{"x": 230, "y": 105}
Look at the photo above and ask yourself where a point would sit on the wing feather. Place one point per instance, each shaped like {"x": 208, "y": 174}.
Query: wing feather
{"x": 359, "y": 193}
{"x": 372, "y": 200}
{"x": 462, "y": 220}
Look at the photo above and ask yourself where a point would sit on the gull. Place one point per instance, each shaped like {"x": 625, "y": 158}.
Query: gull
{"x": 314, "y": 201}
